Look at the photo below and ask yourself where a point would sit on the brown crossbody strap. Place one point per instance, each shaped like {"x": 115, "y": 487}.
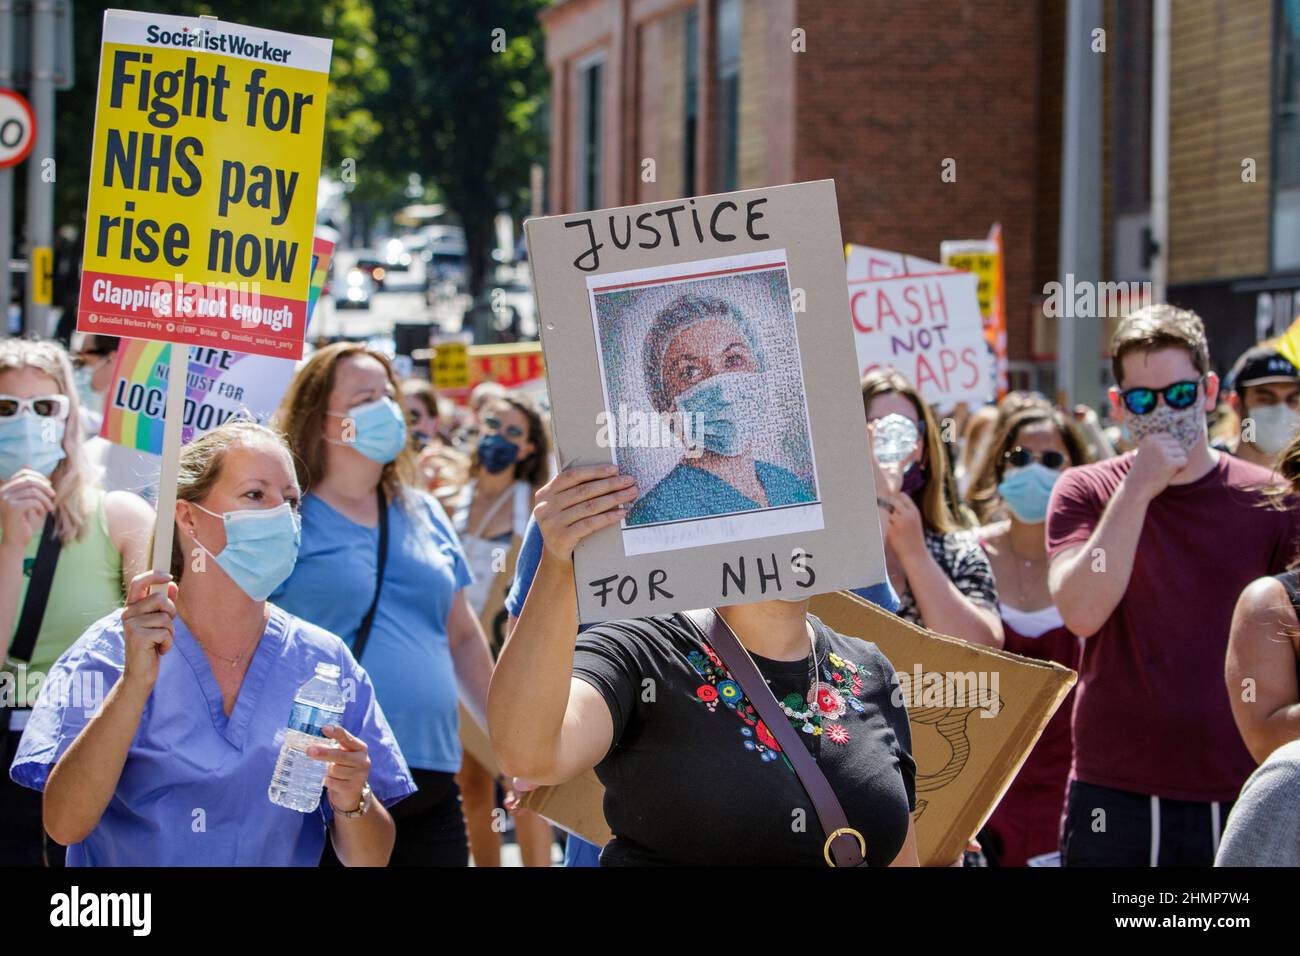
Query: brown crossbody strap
{"x": 842, "y": 841}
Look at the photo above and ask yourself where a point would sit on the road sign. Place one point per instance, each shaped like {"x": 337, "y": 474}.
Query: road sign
{"x": 42, "y": 275}
{"x": 17, "y": 128}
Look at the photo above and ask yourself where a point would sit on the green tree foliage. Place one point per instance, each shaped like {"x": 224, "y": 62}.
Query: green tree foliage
{"x": 355, "y": 75}
{"x": 449, "y": 89}
{"x": 463, "y": 106}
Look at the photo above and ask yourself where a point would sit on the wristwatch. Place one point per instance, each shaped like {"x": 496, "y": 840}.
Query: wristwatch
{"x": 361, "y": 809}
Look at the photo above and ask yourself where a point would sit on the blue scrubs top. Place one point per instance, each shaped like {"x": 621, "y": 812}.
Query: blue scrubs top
{"x": 193, "y": 788}
{"x": 407, "y": 655}
{"x": 690, "y": 492}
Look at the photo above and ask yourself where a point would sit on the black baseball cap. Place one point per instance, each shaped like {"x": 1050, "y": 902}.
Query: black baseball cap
{"x": 1261, "y": 365}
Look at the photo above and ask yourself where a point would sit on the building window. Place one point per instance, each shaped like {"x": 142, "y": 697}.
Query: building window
{"x": 1286, "y": 139}
{"x": 691, "y": 97}
{"x": 727, "y": 84}
{"x": 590, "y": 75}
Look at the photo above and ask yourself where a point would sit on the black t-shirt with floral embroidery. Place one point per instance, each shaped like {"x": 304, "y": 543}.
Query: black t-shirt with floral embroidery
{"x": 694, "y": 777}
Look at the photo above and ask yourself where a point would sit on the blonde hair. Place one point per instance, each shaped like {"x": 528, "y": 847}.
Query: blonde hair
{"x": 70, "y": 477}
{"x": 200, "y": 467}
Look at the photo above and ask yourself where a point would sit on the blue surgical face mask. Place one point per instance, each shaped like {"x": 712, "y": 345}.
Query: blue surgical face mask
{"x": 26, "y": 443}
{"x": 496, "y": 453}
{"x": 1026, "y": 491}
{"x": 722, "y": 412}
{"x": 261, "y": 547}
{"x": 380, "y": 427}
{"x": 91, "y": 399}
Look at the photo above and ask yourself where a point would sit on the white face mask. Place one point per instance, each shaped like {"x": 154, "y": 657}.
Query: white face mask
{"x": 1275, "y": 426}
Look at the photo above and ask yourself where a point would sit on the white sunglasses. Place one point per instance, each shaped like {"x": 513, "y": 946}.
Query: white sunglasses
{"x": 44, "y": 406}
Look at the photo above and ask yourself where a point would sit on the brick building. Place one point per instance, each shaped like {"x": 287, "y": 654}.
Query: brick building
{"x": 658, "y": 99}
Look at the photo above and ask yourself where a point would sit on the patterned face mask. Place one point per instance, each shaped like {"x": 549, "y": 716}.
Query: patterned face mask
{"x": 1186, "y": 425}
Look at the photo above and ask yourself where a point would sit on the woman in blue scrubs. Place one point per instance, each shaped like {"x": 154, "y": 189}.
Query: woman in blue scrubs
{"x": 425, "y": 647}
{"x": 171, "y": 767}
{"x": 702, "y": 362}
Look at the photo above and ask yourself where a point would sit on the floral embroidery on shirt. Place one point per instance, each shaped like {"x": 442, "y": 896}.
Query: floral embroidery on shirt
{"x": 835, "y": 697}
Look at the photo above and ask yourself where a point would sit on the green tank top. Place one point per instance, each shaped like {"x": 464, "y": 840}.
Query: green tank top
{"x": 87, "y": 585}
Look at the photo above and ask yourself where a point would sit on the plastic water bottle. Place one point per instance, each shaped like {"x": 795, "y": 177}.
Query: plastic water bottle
{"x": 894, "y": 438}
{"x": 298, "y": 778}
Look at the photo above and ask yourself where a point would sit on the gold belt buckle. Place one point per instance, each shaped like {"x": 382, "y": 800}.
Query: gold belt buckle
{"x": 826, "y": 849}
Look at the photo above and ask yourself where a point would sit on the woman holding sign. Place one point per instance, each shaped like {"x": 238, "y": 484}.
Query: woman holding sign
{"x": 692, "y": 775}
{"x": 201, "y": 679}
{"x": 943, "y": 579}
{"x": 381, "y": 566}
{"x": 67, "y": 551}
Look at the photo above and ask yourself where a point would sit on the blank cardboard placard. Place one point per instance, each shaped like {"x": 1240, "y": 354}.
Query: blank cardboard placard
{"x": 965, "y": 761}
{"x": 704, "y": 347}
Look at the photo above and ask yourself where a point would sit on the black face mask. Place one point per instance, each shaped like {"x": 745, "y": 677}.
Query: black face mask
{"x": 496, "y": 453}
{"x": 914, "y": 479}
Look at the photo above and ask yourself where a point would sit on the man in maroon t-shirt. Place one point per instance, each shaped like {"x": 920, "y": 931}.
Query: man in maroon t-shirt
{"x": 1149, "y": 552}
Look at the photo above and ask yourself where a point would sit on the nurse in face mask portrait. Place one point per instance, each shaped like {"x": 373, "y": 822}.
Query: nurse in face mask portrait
{"x": 199, "y": 675}
{"x": 1264, "y": 391}
{"x": 704, "y": 367}
{"x": 93, "y": 542}
{"x": 1010, "y": 494}
{"x": 381, "y": 566}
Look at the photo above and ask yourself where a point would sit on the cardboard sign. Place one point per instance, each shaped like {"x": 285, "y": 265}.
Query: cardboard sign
{"x": 983, "y": 257}
{"x": 203, "y": 176}
{"x": 928, "y": 327}
{"x": 864, "y": 262}
{"x": 975, "y": 714}
{"x": 700, "y": 345}
{"x": 220, "y": 384}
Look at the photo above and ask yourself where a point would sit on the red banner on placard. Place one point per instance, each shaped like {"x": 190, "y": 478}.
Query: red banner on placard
{"x": 229, "y": 316}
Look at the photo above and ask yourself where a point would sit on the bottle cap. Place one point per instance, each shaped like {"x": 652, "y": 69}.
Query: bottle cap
{"x": 330, "y": 671}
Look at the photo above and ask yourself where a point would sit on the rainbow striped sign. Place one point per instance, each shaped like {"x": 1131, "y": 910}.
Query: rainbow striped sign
{"x": 220, "y": 385}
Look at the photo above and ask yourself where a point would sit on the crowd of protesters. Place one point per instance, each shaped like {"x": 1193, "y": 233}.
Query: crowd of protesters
{"x": 425, "y": 549}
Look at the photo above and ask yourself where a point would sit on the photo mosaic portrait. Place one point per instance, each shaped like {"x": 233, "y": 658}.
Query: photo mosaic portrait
{"x": 704, "y": 401}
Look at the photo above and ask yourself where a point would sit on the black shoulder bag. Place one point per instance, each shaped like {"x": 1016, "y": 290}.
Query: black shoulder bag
{"x": 363, "y": 632}
{"x": 33, "y": 612}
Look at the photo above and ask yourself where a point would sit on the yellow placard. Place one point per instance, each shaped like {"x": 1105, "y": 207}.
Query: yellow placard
{"x": 985, "y": 267}
{"x": 203, "y": 174}
{"x": 450, "y": 365}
